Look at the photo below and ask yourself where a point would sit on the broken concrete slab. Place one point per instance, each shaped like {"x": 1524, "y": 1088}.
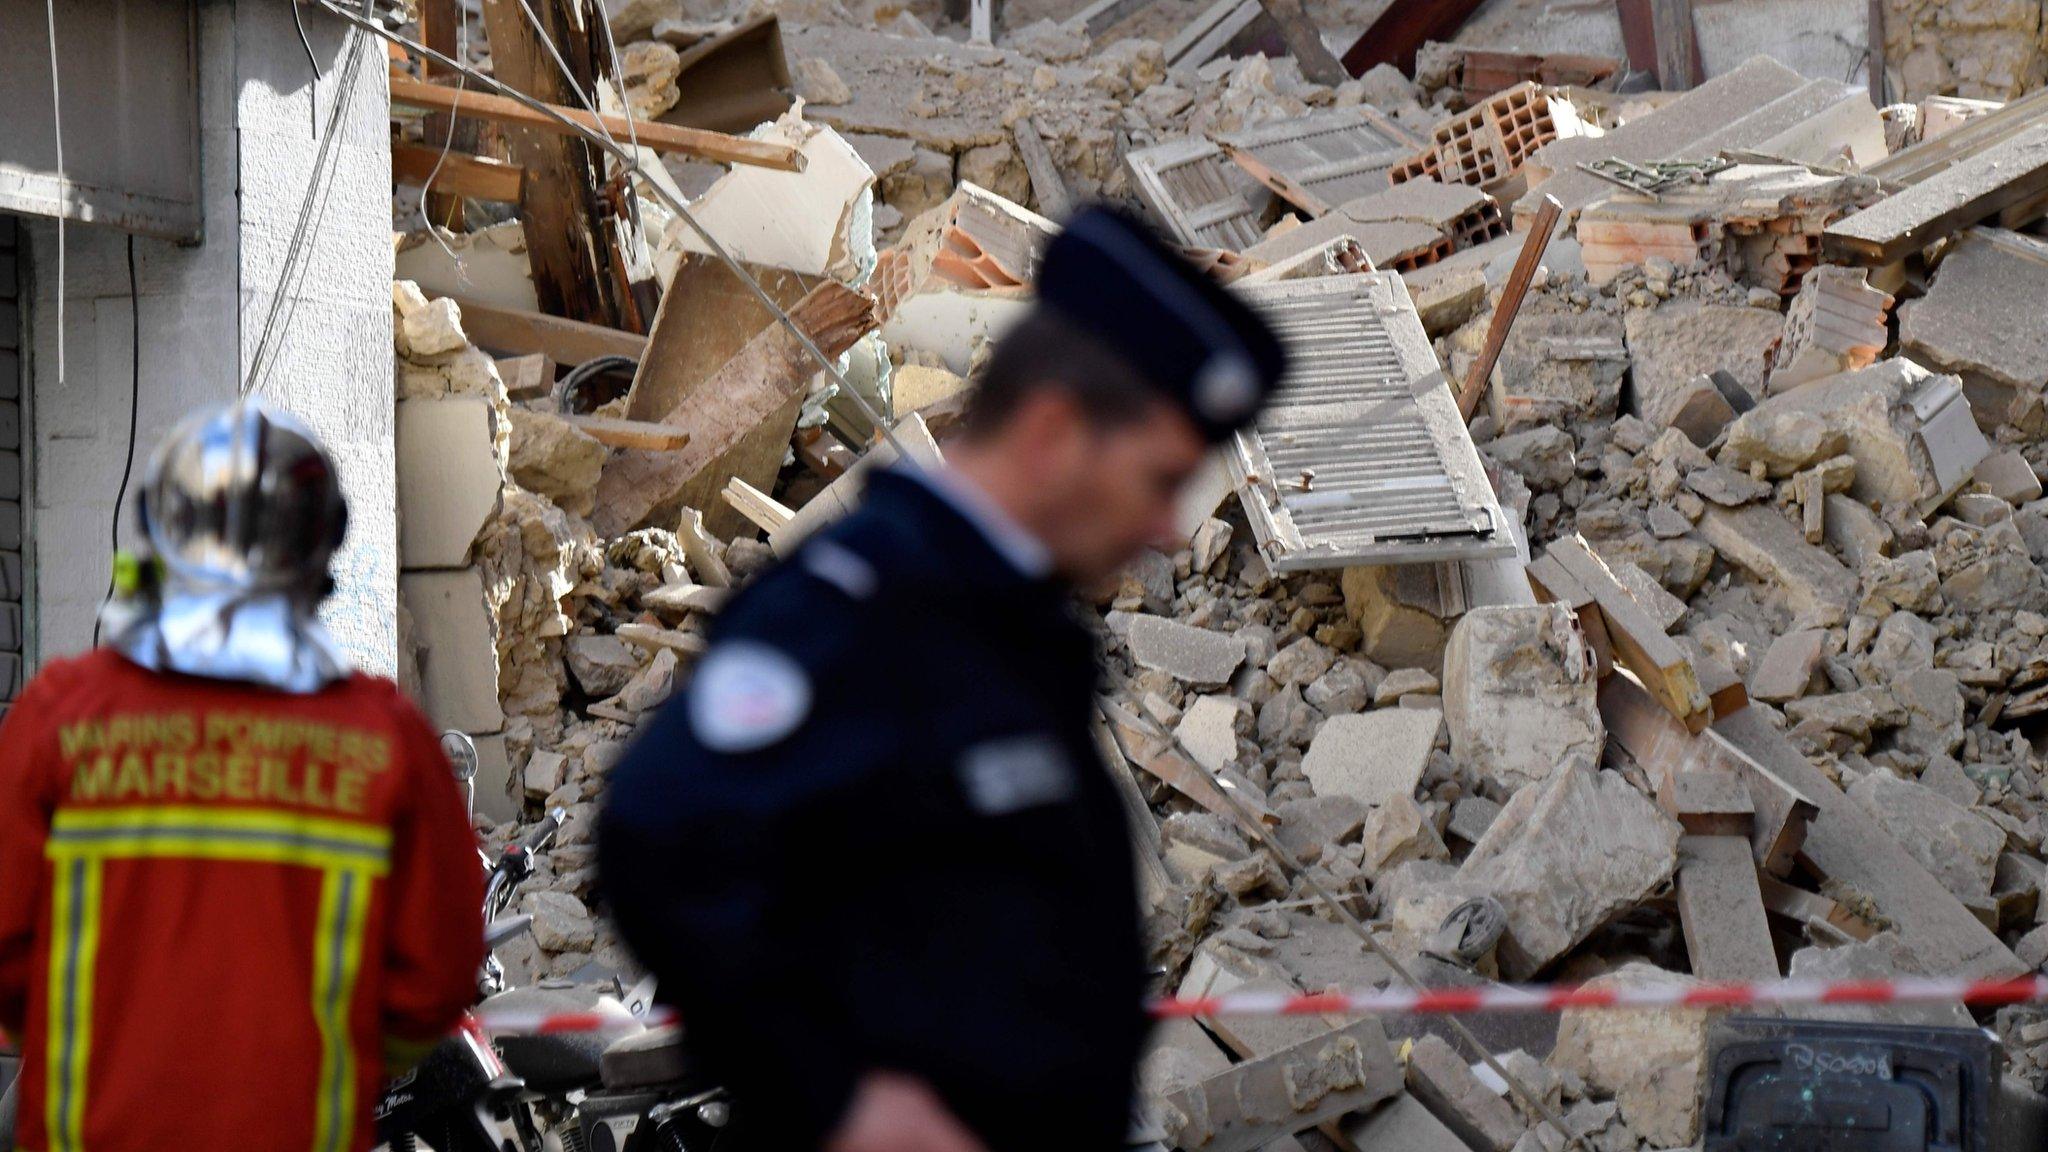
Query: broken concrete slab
{"x": 1372, "y": 757}
{"x": 457, "y": 645}
{"x": 1976, "y": 320}
{"x": 1520, "y": 694}
{"x": 1196, "y": 656}
{"x": 1652, "y": 1062}
{"x": 1210, "y": 728}
{"x": 1849, "y": 847}
{"x": 2008, "y": 476}
{"x": 1559, "y": 367}
{"x": 1720, "y": 907}
{"x": 1564, "y": 857}
{"x": 449, "y": 479}
{"x": 1788, "y": 667}
{"x": 1400, "y": 610}
{"x": 1404, "y": 1123}
{"x": 817, "y": 222}
{"x": 1958, "y": 847}
{"x": 1258, "y": 1101}
{"x": 1762, "y": 542}
{"x": 1675, "y": 343}
{"x": 1697, "y": 408}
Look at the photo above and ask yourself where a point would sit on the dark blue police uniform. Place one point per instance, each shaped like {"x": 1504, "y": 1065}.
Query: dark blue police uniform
{"x": 927, "y": 872}
{"x": 875, "y": 833}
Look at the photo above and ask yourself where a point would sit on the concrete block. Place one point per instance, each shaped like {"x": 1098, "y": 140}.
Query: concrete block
{"x": 1695, "y": 408}
{"x": 1762, "y": 542}
{"x": 1788, "y": 666}
{"x": 1653, "y": 1062}
{"x": 1400, "y": 610}
{"x": 818, "y": 222}
{"x": 2008, "y": 476}
{"x": 1853, "y": 531}
{"x": 556, "y": 459}
{"x": 1959, "y": 847}
{"x": 1209, "y": 729}
{"x": 458, "y": 651}
{"x": 1564, "y": 857}
{"x": 449, "y": 479}
{"x": 1520, "y": 697}
{"x": 1372, "y": 757}
{"x": 1194, "y": 655}
{"x": 1677, "y": 342}
{"x": 1980, "y": 318}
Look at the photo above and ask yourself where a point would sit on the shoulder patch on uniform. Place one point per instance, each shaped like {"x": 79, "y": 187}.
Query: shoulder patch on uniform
{"x": 1014, "y": 773}
{"x": 842, "y": 568}
{"x": 747, "y": 695}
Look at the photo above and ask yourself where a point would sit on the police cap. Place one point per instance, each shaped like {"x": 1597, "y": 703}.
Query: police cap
{"x": 1189, "y": 338}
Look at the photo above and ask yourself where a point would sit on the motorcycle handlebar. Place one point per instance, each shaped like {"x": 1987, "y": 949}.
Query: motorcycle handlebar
{"x": 545, "y": 830}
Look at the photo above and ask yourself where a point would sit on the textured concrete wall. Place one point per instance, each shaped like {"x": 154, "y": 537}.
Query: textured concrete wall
{"x": 202, "y": 311}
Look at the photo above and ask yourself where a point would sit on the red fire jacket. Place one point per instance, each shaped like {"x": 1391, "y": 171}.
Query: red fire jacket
{"x": 218, "y": 901}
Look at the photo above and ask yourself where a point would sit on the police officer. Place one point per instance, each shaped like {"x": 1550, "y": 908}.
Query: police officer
{"x": 871, "y": 853}
{"x": 235, "y": 874}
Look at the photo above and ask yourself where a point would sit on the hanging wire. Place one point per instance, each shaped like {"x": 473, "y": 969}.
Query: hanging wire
{"x": 63, "y": 190}
{"x": 284, "y": 301}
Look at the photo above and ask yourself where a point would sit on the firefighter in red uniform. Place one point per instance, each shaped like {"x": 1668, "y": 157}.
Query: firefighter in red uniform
{"x": 234, "y": 873}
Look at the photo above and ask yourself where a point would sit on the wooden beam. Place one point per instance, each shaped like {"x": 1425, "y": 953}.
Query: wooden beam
{"x": 695, "y": 142}
{"x": 1677, "y": 45}
{"x": 1874, "y": 63}
{"x": 1153, "y": 752}
{"x": 1046, "y": 185}
{"x": 767, "y": 513}
{"x": 1709, "y": 802}
{"x": 1846, "y": 844}
{"x": 517, "y": 332}
{"x": 1802, "y": 907}
{"x": 616, "y": 433}
{"x": 1553, "y": 585}
{"x": 1402, "y": 29}
{"x": 764, "y": 377}
{"x": 1780, "y": 813}
{"x": 1972, "y": 190}
{"x": 1305, "y": 43}
{"x": 1721, "y": 910}
{"x": 1519, "y": 279}
{"x": 574, "y": 234}
{"x": 648, "y": 636}
{"x": 1639, "y": 644}
{"x": 460, "y": 174}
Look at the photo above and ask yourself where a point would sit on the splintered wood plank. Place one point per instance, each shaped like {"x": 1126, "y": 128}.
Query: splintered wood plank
{"x": 1802, "y": 907}
{"x": 769, "y": 371}
{"x": 1847, "y": 845}
{"x": 1152, "y": 751}
{"x": 616, "y": 433}
{"x": 459, "y": 173}
{"x": 767, "y": 513}
{"x": 516, "y": 332}
{"x": 1553, "y": 585}
{"x": 1722, "y": 911}
{"x": 1639, "y": 644}
{"x": 696, "y": 142}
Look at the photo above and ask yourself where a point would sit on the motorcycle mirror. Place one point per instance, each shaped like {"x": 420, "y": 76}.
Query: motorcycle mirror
{"x": 461, "y": 753}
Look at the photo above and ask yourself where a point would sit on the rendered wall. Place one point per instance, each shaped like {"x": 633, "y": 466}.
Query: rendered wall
{"x": 202, "y": 313}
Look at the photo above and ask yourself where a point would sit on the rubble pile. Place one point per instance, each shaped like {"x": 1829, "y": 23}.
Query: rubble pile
{"x": 1714, "y": 652}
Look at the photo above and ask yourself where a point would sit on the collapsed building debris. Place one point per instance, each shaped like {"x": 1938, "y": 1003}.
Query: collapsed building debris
{"x": 1708, "y": 650}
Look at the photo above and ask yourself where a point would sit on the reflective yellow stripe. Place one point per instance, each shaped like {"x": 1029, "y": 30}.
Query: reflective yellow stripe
{"x": 75, "y": 913}
{"x": 337, "y": 962}
{"x": 250, "y": 834}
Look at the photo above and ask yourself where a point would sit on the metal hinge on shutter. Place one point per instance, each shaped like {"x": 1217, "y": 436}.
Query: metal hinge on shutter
{"x": 1361, "y": 458}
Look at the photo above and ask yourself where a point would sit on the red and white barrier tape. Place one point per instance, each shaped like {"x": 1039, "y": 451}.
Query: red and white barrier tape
{"x": 1457, "y": 1001}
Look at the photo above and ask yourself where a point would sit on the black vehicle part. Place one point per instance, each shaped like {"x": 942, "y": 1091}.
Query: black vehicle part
{"x": 1829, "y": 1086}
{"x": 557, "y": 1061}
{"x": 647, "y": 1060}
